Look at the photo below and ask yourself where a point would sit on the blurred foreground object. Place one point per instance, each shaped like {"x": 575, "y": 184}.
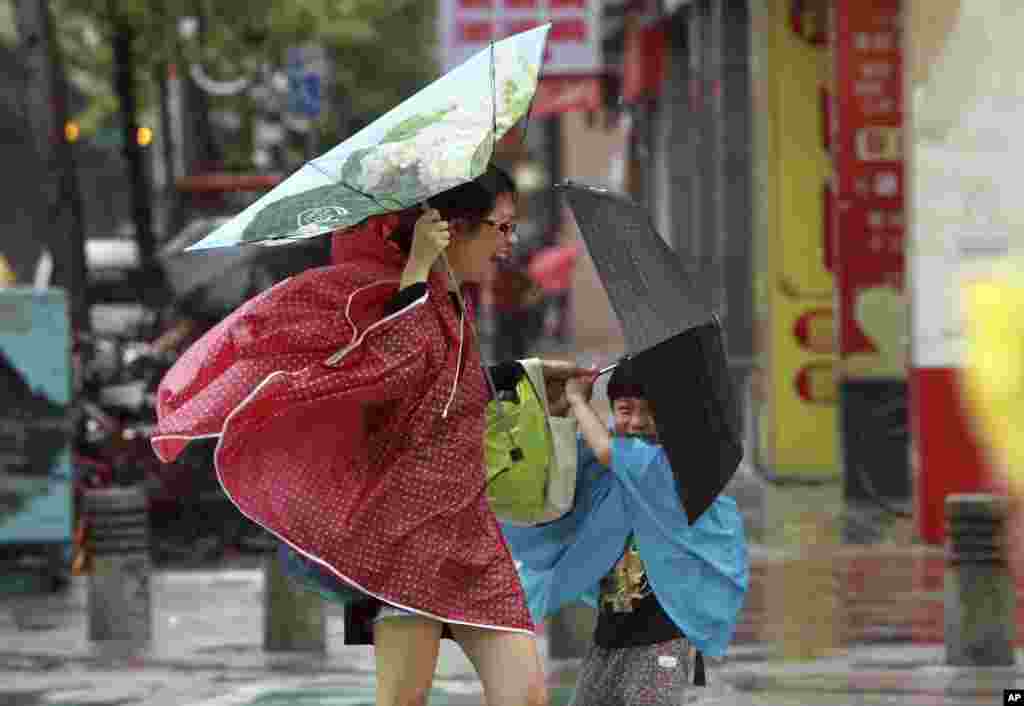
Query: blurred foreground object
{"x": 993, "y": 376}
{"x": 993, "y": 385}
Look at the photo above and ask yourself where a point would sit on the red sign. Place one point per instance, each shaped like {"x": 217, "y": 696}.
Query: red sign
{"x": 870, "y": 254}
{"x": 643, "y": 63}
{"x": 566, "y": 95}
{"x": 573, "y": 43}
{"x": 867, "y": 149}
{"x": 868, "y": 116}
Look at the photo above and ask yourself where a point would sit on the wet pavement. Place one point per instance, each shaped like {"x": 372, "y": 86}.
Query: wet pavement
{"x": 826, "y": 623}
{"x": 207, "y": 645}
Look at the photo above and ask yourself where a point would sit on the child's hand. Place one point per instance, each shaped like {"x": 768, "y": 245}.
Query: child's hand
{"x": 579, "y": 388}
{"x": 556, "y": 373}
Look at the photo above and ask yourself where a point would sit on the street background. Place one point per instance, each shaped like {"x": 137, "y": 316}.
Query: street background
{"x": 835, "y": 171}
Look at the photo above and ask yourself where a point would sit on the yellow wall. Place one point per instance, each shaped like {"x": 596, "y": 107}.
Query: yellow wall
{"x": 791, "y": 165}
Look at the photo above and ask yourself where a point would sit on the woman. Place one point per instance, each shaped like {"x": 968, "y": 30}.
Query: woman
{"x": 349, "y": 405}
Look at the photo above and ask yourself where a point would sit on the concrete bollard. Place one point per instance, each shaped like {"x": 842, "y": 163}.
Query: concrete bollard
{"x": 119, "y": 587}
{"x": 980, "y": 598}
{"x": 294, "y": 619}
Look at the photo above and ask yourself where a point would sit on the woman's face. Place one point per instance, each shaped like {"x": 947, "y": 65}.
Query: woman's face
{"x": 473, "y": 253}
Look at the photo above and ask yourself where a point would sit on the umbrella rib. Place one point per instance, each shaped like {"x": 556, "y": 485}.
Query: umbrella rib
{"x": 317, "y": 167}
{"x": 494, "y": 105}
{"x": 348, "y": 186}
{"x": 401, "y": 206}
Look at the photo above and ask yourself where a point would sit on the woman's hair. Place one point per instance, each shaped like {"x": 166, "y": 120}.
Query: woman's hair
{"x": 625, "y": 382}
{"x": 471, "y": 202}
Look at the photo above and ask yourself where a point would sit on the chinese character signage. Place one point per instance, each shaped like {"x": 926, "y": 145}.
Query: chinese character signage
{"x": 573, "y": 45}
{"x": 35, "y": 386}
{"x": 867, "y": 150}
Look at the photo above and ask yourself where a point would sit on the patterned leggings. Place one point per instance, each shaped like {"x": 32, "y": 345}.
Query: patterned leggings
{"x": 653, "y": 675}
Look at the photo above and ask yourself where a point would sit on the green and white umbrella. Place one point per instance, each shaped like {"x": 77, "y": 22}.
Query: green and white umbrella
{"x": 441, "y": 137}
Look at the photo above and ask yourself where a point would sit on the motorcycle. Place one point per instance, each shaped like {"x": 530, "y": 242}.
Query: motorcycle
{"x": 191, "y": 520}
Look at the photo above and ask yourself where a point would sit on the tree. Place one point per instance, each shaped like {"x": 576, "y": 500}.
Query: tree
{"x": 382, "y": 50}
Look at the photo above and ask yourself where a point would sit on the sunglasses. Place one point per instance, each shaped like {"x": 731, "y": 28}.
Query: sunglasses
{"x": 504, "y": 228}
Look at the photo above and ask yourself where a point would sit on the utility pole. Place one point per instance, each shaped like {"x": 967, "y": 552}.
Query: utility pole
{"x": 554, "y": 158}
{"x": 61, "y": 226}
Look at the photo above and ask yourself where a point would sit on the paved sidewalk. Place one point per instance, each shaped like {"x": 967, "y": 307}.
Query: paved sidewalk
{"x": 207, "y": 650}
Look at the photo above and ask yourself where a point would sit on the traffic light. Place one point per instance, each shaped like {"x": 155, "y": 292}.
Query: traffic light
{"x": 143, "y": 136}
{"x": 72, "y": 131}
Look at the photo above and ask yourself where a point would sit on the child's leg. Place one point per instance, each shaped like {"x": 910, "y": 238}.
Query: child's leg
{"x": 657, "y": 675}
{"x": 600, "y": 679}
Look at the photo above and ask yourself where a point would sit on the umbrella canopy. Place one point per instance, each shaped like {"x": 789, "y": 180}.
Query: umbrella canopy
{"x": 674, "y": 338}
{"x": 439, "y": 138}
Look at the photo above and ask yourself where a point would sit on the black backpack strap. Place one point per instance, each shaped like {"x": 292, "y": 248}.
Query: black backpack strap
{"x": 699, "y": 676}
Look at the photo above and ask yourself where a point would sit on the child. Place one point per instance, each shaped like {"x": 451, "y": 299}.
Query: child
{"x": 667, "y": 592}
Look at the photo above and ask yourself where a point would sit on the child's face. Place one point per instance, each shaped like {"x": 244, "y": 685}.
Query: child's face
{"x": 633, "y": 417}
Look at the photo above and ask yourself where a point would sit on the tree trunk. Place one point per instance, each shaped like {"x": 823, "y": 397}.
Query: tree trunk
{"x": 124, "y": 84}
{"x": 166, "y": 131}
{"x": 204, "y": 154}
{"x": 60, "y": 225}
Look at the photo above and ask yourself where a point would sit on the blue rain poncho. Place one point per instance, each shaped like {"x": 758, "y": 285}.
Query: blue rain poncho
{"x": 698, "y": 572}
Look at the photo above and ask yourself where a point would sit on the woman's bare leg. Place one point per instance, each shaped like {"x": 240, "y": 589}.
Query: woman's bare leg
{"x": 406, "y": 650}
{"x": 508, "y": 664}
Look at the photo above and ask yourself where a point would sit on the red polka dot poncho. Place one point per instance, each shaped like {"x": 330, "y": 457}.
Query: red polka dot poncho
{"x": 353, "y": 435}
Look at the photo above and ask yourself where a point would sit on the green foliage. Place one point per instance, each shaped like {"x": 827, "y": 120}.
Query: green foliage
{"x": 381, "y": 51}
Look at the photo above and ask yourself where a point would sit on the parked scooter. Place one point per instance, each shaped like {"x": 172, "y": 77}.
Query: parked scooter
{"x": 191, "y": 519}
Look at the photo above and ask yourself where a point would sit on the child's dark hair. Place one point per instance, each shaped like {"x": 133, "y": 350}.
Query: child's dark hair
{"x": 472, "y": 202}
{"x": 625, "y": 382}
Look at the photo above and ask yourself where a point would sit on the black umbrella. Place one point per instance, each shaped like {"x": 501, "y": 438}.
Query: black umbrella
{"x": 674, "y": 339}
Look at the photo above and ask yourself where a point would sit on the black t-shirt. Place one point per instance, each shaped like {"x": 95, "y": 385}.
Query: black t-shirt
{"x": 646, "y": 624}
{"x": 630, "y": 614}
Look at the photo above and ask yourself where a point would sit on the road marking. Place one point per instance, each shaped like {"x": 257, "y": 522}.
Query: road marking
{"x": 243, "y": 696}
{"x": 61, "y": 696}
{"x": 232, "y": 576}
